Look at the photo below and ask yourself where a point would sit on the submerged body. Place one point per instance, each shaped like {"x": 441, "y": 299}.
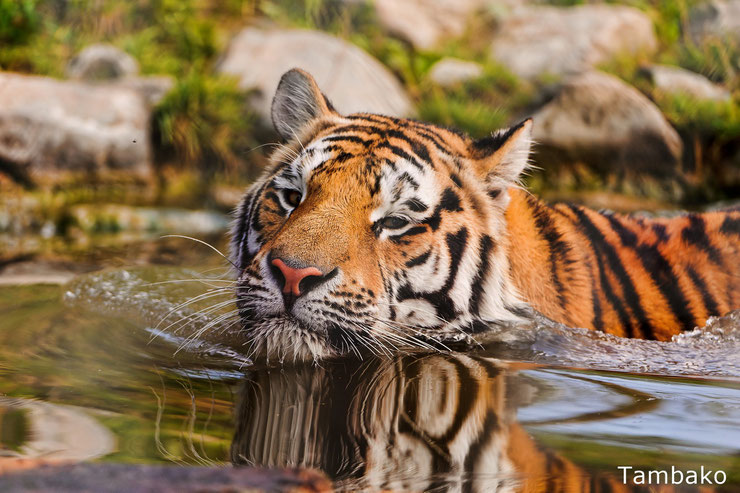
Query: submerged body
{"x": 370, "y": 232}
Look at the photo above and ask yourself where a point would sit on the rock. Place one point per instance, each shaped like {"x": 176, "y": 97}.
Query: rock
{"x": 675, "y": 80}
{"x": 598, "y": 119}
{"x": 451, "y": 71}
{"x": 716, "y": 18}
{"x": 60, "y": 433}
{"x": 50, "y": 128}
{"x": 152, "y": 88}
{"x": 563, "y": 41}
{"x": 424, "y": 23}
{"x": 114, "y": 478}
{"x": 352, "y": 79}
{"x": 102, "y": 62}
{"x": 107, "y": 64}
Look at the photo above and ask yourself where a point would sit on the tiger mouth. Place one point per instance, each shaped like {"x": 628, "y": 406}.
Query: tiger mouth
{"x": 286, "y": 338}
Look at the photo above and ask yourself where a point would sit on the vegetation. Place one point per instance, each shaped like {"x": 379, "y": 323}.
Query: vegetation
{"x": 204, "y": 126}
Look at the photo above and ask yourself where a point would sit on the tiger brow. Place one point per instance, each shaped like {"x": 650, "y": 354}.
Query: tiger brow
{"x": 416, "y": 205}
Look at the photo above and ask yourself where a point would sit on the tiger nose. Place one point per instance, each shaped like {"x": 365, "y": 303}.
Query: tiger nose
{"x": 296, "y": 281}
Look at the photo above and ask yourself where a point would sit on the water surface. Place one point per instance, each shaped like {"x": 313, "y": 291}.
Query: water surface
{"x": 141, "y": 377}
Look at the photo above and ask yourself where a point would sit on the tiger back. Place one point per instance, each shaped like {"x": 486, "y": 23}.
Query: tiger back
{"x": 630, "y": 276}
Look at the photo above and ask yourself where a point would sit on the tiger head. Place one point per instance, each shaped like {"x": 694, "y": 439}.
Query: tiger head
{"x": 370, "y": 232}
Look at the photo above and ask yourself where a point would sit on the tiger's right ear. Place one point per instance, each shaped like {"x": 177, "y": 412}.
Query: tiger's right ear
{"x": 298, "y": 102}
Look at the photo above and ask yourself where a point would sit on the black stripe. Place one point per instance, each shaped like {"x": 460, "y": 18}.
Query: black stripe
{"x": 598, "y": 320}
{"x": 363, "y": 129}
{"x": 401, "y": 153}
{"x": 484, "y": 252}
{"x": 662, "y": 274}
{"x": 418, "y": 148}
{"x": 416, "y": 230}
{"x": 347, "y": 138}
{"x": 437, "y": 141}
{"x": 440, "y": 299}
{"x": 709, "y": 302}
{"x": 730, "y": 226}
{"x": 696, "y": 234}
{"x": 558, "y": 249}
{"x": 603, "y": 249}
{"x": 419, "y": 259}
{"x": 629, "y": 240}
{"x": 450, "y": 201}
{"x": 407, "y": 178}
{"x": 660, "y": 231}
{"x": 239, "y": 235}
{"x": 255, "y": 219}
{"x": 494, "y": 193}
{"x": 273, "y": 196}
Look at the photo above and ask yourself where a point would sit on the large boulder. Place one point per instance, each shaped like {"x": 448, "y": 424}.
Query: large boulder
{"x": 106, "y": 64}
{"x": 563, "y": 41}
{"x": 152, "y": 88}
{"x": 599, "y": 120}
{"x": 50, "y": 128}
{"x": 353, "y": 80}
{"x": 676, "y": 80}
{"x": 102, "y": 62}
{"x": 426, "y": 23}
{"x": 715, "y": 19}
{"x": 451, "y": 71}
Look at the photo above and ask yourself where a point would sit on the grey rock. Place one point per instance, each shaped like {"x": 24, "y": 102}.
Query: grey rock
{"x": 353, "y": 80}
{"x": 424, "y": 23}
{"x": 451, "y": 71}
{"x": 50, "y": 128}
{"x": 715, "y": 18}
{"x": 102, "y": 62}
{"x": 675, "y": 80}
{"x": 564, "y": 41}
{"x": 152, "y": 88}
{"x": 598, "y": 119}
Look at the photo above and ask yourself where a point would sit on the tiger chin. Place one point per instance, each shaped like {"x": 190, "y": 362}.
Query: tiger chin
{"x": 369, "y": 233}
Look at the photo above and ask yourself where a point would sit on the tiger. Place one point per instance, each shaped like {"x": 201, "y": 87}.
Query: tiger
{"x": 371, "y": 233}
{"x": 415, "y": 422}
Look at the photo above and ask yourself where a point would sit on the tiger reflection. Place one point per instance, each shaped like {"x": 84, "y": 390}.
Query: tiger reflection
{"x": 432, "y": 422}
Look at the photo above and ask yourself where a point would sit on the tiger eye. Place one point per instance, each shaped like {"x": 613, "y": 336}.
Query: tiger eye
{"x": 394, "y": 222}
{"x": 293, "y": 198}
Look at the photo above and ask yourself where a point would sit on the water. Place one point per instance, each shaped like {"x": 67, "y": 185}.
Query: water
{"x": 113, "y": 367}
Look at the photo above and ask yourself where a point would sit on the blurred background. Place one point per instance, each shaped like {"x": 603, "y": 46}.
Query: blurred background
{"x": 121, "y": 121}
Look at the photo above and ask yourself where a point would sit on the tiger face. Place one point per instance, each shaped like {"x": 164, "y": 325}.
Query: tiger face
{"x": 371, "y": 233}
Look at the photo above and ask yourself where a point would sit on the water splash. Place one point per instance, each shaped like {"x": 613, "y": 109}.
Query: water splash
{"x": 712, "y": 350}
{"x": 154, "y": 297}
{"x": 172, "y": 305}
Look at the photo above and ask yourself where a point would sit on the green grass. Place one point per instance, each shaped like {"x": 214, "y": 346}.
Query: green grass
{"x": 203, "y": 126}
{"x": 203, "y": 123}
{"x": 477, "y": 107}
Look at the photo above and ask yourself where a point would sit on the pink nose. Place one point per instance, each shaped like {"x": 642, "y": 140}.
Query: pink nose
{"x": 293, "y": 277}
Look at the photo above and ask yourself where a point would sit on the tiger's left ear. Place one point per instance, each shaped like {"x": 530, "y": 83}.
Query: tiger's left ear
{"x": 298, "y": 103}
{"x": 501, "y": 158}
